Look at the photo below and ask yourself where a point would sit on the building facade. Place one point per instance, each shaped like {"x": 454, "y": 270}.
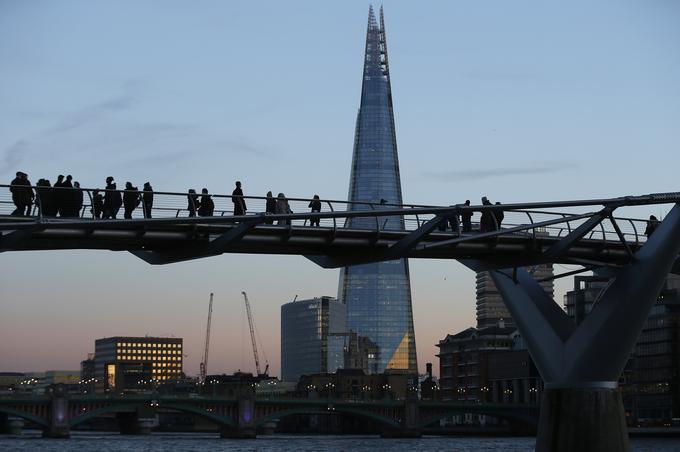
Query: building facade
{"x": 136, "y": 363}
{"x": 463, "y": 361}
{"x": 650, "y": 382}
{"x": 490, "y": 305}
{"x": 311, "y": 337}
{"x": 378, "y": 295}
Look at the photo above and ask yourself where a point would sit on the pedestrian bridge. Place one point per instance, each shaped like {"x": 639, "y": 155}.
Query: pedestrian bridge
{"x": 581, "y": 232}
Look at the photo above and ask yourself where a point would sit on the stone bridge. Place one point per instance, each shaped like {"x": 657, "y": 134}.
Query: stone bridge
{"x": 240, "y": 418}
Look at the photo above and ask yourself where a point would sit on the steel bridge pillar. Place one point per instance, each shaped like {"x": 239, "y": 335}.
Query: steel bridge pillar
{"x": 245, "y": 426}
{"x": 582, "y": 408}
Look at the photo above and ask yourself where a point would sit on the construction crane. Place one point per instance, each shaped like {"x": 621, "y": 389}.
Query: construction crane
{"x": 251, "y": 324}
{"x": 204, "y": 363}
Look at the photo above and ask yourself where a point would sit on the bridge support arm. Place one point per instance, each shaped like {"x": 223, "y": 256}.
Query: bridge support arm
{"x": 582, "y": 407}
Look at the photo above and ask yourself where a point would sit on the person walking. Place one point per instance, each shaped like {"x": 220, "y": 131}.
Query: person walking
{"x": 22, "y": 194}
{"x": 97, "y": 204}
{"x": 498, "y": 213}
{"x": 130, "y": 200}
{"x": 487, "y": 222}
{"x": 282, "y": 207}
{"x": 67, "y": 201}
{"x": 147, "y": 199}
{"x": 270, "y": 207}
{"x": 112, "y": 200}
{"x": 315, "y": 205}
{"x": 237, "y": 199}
{"x": 652, "y": 224}
{"x": 77, "y": 199}
{"x": 466, "y": 218}
{"x": 207, "y": 204}
{"x": 59, "y": 194}
{"x": 193, "y": 203}
{"x": 45, "y": 199}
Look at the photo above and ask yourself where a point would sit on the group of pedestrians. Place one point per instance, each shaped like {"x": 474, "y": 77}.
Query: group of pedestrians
{"x": 64, "y": 198}
{"x": 490, "y": 220}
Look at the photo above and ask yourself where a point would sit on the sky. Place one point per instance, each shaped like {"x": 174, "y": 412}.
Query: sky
{"x": 520, "y": 101}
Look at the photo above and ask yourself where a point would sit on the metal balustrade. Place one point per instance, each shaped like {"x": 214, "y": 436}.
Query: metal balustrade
{"x": 339, "y": 214}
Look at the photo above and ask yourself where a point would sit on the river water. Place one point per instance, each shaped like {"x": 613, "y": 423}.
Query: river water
{"x": 171, "y": 442}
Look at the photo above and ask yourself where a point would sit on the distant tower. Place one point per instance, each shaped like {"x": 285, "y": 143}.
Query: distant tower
{"x": 378, "y": 295}
{"x": 490, "y": 305}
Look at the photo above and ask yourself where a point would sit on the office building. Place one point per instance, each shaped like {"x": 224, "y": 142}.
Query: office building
{"x": 311, "y": 337}
{"x": 135, "y": 363}
{"x": 378, "y": 295}
{"x": 650, "y": 383}
{"x": 490, "y": 305}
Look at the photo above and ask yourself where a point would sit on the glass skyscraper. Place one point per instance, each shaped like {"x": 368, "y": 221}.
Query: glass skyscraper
{"x": 308, "y": 343}
{"x": 378, "y": 295}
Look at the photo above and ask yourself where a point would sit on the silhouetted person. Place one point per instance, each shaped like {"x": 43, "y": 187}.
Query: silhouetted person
{"x": 466, "y": 218}
{"x": 192, "y": 202}
{"x": 487, "y": 222}
{"x": 498, "y": 213}
{"x": 282, "y": 207}
{"x": 147, "y": 199}
{"x": 77, "y": 199}
{"x": 45, "y": 199}
{"x": 59, "y": 194}
{"x": 67, "y": 201}
{"x": 130, "y": 200}
{"x": 315, "y": 205}
{"x": 652, "y": 224}
{"x": 97, "y": 204}
{"x": 112, "y": 200}
{"x": 270, "y": 207}
{"x": 207, "y": 204}
{"x": 237, "y": 199}
{"x": 22, "y": 194}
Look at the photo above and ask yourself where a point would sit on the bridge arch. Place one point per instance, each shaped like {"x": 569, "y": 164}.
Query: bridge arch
{"x": 380, "y": 419}
{"x": 126, "y": 407}
{"x": 24, "y": 415}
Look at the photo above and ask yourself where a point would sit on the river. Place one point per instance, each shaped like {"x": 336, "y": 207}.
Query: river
{"x": 171, "y": 442}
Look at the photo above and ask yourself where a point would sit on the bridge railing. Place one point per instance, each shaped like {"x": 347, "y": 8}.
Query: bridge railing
{"x": 546, "y": 222}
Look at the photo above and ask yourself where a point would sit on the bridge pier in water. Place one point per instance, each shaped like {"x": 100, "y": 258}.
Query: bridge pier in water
{"x": 58, "y": 426}
{"x": 410, "y": 427}
{"x": 10, "y": 425}
{"x": 245, "y": 424}
{"x": 134, "y": 424}
{"x": 582, "y": 408}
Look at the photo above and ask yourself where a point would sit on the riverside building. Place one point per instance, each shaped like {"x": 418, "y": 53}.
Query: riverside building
{"x": 127, "y": 363}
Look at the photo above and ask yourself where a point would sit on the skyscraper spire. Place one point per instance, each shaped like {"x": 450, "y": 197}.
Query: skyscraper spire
{"x": 378, "y": 295}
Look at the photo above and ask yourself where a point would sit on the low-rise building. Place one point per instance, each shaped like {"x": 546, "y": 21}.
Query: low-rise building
{"x": 136, "y": 363}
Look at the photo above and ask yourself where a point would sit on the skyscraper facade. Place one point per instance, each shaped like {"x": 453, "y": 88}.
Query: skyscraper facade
{"x": 311, "y": 340}
{"x": 378, "y": 295}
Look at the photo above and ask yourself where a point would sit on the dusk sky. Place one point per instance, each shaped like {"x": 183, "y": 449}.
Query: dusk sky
{"x": 520, "y": 101}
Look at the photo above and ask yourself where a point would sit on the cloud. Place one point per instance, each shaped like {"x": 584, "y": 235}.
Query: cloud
{"x": 13, "y": 155}
{"x": 92, "y": 113}
{"x": 535, "y": 168}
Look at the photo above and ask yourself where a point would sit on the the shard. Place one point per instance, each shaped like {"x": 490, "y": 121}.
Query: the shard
{"x": 378, "y": 295}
